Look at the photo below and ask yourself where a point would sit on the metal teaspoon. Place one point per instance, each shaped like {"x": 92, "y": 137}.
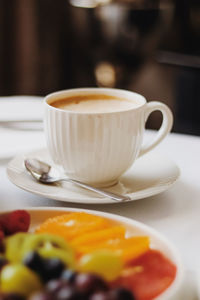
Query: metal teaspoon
{"x": 45, "y": 173}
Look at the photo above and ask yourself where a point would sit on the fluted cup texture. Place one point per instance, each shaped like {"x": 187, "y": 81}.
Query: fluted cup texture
{"x": 96, "y": 148}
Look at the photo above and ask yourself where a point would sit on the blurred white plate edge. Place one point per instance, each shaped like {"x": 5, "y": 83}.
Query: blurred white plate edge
{"x": 157, "y": 240}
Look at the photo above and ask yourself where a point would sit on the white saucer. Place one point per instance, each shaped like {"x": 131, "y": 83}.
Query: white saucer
{"x": 150, "y": 175}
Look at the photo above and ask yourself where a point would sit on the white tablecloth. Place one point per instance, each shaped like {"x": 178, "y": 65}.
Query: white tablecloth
{"x": 175, "y": 213}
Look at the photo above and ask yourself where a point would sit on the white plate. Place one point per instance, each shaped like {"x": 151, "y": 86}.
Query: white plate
{"x": 158, "y": 241}
{"x": 150, "y": 175}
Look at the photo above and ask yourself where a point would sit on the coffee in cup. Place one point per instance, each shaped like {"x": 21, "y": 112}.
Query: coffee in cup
{"x": 94, "y": 103}
{"x": 96, "y": 134}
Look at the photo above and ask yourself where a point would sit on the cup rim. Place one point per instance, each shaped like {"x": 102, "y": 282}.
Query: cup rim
{"x": 89, "y": 90}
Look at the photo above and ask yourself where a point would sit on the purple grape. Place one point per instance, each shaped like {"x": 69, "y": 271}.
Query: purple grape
{"x": 68, "y": 293}
{"x": 120, "y": 294}
{"x": 69, "y": 276}
{"x": 41, "y": 296}
{"x": 100, "y": 296}
{"x": 52, "y": 268}
{"x": 53, "y": 286}
{"x": 88, "y": 283}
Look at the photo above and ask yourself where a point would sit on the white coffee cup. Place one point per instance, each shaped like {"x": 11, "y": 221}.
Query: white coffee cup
{"x": 98, "y": 147}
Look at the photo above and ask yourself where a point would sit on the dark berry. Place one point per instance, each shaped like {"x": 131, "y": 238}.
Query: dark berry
{"x": 100, "y": 296}
{"x": 47, "y": 268}
{"x": 33, "y": 261}
{"x": 88, "y": 283}
{"x": 52, "y": 268}
{"x": 68, "y": 293}
{"x": 41, "y": 296}
{"x": 121, "y": 294}
{"x": 69, "y": 276}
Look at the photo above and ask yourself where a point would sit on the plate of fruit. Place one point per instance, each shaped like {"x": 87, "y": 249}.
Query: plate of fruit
{"x": 77, "y": 254}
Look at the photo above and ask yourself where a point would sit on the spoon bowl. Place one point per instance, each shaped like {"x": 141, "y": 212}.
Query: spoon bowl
{"x": 46, "y": 174}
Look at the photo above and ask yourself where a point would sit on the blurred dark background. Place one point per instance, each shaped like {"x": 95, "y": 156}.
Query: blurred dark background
{"x": 148, "y": 46}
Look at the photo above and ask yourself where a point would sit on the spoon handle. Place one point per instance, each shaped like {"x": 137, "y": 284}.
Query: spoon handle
{"x": 113, "y": 196}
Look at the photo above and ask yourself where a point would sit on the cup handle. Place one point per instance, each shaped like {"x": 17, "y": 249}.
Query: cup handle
{"x": 165, "y": 127}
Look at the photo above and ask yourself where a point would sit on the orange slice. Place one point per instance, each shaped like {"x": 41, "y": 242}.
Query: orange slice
{"x": 126, "y": 248}
{"x": 133, "y": 247}
{"x": 91, "y": 239}
{"x": 87, "y": 233}
{"x": 73, "y": 225}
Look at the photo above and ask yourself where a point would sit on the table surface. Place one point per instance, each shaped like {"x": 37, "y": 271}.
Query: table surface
{"x": 174, "y": 213}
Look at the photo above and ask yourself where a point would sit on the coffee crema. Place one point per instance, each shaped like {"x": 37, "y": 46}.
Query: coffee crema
{"x": 94, "y": 103}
